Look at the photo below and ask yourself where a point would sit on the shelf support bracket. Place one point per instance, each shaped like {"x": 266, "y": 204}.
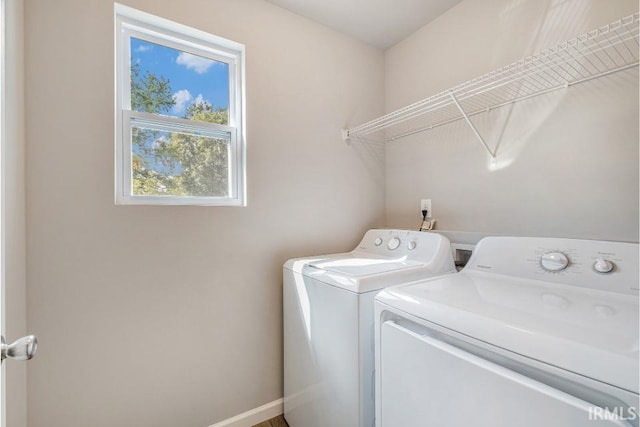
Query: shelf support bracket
{"x": 345, "y": 135}
{"x": 473, "y": 128}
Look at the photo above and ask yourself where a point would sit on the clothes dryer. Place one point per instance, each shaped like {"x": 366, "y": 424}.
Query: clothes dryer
{"x": 533, "y": 332}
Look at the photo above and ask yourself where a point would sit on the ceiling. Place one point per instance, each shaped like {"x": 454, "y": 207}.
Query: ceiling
{"x": 381, "y": 23}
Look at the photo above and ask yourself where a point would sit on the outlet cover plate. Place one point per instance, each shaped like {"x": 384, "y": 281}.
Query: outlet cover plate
{"x": 426, "y": 204}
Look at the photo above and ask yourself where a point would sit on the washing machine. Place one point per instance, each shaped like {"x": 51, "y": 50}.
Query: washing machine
{"x": 533, "y": 332}
{"x": 329, "y": 326}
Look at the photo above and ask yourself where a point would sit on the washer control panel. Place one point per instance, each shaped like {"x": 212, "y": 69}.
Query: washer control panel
{"x": 611, "y": 266}
{"x": 410, "y": 245}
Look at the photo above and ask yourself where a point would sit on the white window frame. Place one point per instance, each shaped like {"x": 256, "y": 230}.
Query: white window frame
{"x": 130, "y": 23}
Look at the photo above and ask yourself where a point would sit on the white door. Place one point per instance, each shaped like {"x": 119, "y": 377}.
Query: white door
{"x": 428, "y": 383}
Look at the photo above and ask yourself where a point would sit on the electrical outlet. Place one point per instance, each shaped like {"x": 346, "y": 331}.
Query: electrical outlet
{"x": 426, "y": 204}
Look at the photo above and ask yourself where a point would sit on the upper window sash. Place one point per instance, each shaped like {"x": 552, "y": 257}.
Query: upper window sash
{"x": 215, "y": 55}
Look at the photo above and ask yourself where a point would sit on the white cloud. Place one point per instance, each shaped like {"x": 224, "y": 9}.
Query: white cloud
{"x": 199, "y": 99}
{"x": 182, "y": 99}
{"x": 143, "y": 48}
{"x": 196, "y": 63}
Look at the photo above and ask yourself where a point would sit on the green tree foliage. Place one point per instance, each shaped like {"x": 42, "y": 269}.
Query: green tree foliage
{"x": 204, "y": 160}
{"x": 176, "y": 163}
{"x": 149, "y": 93}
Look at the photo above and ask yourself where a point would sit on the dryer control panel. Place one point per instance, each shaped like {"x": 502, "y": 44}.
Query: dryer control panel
{"x": 610, "y": 266}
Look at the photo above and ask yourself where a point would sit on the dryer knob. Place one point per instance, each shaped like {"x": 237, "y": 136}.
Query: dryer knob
{"x": 554, "y": 261}
{"x": 378, "y": 241}
{"x": 603, "y": 265}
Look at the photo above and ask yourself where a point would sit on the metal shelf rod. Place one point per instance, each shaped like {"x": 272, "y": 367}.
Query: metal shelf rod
{"x": 471, "y": 125}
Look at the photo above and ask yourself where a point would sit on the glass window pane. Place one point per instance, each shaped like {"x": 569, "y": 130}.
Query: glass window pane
{"x": 174, "y": 83}
{"x": 167, "y": 163}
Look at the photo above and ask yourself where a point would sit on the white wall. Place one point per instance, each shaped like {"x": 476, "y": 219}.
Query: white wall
{"x": 171, "y": 316}
{"x": 14, "y": 210}
{"x": 567, "y": 162}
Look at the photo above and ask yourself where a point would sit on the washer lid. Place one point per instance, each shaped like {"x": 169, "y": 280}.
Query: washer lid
{"x": 357, "y": 266}
{"x": 359, "y": 272}
{"x": 590, "y": 332}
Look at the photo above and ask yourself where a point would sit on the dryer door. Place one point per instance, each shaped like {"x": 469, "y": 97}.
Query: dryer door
{"x": 426, "y": 382}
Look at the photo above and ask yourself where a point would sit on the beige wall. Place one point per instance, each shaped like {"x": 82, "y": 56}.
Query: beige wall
{"x": 171, "y": 316}
{"x": 14, "y": 211}
{"x": 567, "y": 162}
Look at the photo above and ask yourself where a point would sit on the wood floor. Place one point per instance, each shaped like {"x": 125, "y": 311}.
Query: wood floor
{"x": 274, "y": 422}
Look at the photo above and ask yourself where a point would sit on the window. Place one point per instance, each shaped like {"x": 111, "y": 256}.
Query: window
{"x": 179, "y": 114}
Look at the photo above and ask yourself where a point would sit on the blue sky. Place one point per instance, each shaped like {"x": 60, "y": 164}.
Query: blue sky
{"x": 192, "y": 77}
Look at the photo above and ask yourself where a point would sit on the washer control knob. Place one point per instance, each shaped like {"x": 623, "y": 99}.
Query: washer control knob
{"x": 603, "y": 265}
{"x": 412, "y": 245}
{"x": 554, "y": 261}
{"x": 394, "y": 243}
{"x": 378, "y": 241}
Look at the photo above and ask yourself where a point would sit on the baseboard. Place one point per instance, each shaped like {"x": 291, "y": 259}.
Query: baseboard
{"x": 254, "y": 416}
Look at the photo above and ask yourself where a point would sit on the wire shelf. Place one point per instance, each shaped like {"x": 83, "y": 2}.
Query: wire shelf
{"x": 600, "y": 52}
